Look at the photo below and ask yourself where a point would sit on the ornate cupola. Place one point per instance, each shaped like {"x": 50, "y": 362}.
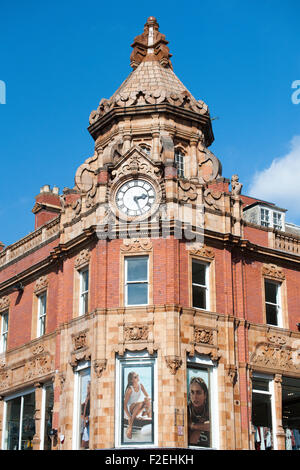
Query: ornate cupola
{"x": 154, "y": 110}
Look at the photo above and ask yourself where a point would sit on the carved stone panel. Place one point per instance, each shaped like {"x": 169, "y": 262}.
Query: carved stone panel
{"x": 203, "y": 335}
{"x": 82, "y": 258}
{"x": 41, "y": 284}
{"x": 4, "y": 303}
{"x": 275, "y": 353}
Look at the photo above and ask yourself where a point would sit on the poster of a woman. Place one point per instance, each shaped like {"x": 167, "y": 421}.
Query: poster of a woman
{"x": 198, "y": 408}
{"x": 85, "y": 411}
{"x": 137, "y": 405}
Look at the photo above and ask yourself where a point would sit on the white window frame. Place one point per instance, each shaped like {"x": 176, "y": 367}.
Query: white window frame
{"x": 4, "y": 332}
{"x": 143, "y": 358}
{"x": 278, "y": 304}
{"x": 277, "y": 224}
{"x": 6, "y": 399}
{"x": 206, "y": 286}
{"x": 82, "y": 366}
{"x": 126, "y": 283}
{"x": 83, "y": 293}
{"x": 42, "y": 314}
{"x": 271, "y": 394}
{"x": 179, "y": 160}
{"x": 204, "y": 361}
{"x": 265, "y": 219}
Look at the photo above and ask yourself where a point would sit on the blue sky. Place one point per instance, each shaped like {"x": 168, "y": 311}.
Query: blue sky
{"x": 59, "y": 58}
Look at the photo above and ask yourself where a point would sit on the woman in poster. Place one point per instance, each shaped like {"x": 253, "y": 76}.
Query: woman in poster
{"x": 133, "y": 402}
{"x": 86, "y": 419}
{"x": 198, "y": 413}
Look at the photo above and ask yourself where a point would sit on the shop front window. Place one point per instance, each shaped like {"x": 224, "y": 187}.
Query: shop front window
{"x": 202, "y": 404}
{"x": 82, "y": 399}
{"x": 135, "y": 413}
{"x": 263, "y": 413}
{"x": 48, "y": 403}
{"x": 291, "y": 412}
{"x": 20, "y": 422}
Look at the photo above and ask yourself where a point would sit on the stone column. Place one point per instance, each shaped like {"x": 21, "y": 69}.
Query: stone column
{"x": 280, "y": 435}
{"x": 155, "y": 149}
{"x": 193, "y": 173}
{"x": 37, "y": 416}
{"x": 1, "y": 416}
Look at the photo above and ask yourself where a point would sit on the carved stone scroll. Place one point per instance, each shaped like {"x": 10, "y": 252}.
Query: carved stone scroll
{"x": 173, "y": 363}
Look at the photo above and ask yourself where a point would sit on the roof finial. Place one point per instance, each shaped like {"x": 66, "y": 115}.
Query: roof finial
{"x": 151, "y": 45}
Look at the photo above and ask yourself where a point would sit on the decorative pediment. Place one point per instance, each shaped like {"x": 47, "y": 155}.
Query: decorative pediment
{"x": 83, "y": 258}
{"x": 4, "y": 303}
{"x": 202, "y": 251}
{"x": 135, "y": 163}
{"x": 41, "y": 284}
{"x": 273, "y": 271}
{"x": 136, "y": 245}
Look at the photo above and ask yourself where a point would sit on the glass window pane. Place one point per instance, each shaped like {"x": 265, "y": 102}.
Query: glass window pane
{"x": 28, "y": 422}
{"x": 271, "y": 292}
{"x": 271, "y": 314}
{"x": 199, "y": 297}
{"x": 260, "y": 384}
{"x": 48, "y": 416}
{"x": 137, "y": 269}
{"x": 199, "y": 273}
{"x": 12, "y": 431}
{"x": 137, "y": 294}
{"x": 85, "y": 280}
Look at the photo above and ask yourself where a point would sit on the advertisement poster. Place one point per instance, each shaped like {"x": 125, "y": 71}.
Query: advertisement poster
{"x": 199, "y": 433}
{"x": 85, "y": 386}
{"x": 137, "y": 425}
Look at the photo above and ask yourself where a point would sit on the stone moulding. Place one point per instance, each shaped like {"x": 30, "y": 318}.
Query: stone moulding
{"x": 273, "y": 271}
{"x": 144, "y": 97}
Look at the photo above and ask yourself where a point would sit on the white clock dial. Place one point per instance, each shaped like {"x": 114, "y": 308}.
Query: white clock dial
{"x": 135, "y": 197}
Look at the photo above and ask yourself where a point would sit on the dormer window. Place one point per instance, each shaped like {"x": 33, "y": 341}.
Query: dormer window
{"x": 265, "y": 215}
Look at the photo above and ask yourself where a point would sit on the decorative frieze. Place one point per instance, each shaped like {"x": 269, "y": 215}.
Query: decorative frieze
{"x": 276, "y": 354}
{"x": 136, "y": 333}
{"x": 203, "y": 335}
{"x": 202, "y": 250}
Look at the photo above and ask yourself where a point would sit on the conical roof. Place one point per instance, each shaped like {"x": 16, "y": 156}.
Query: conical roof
{"x": 152, "y": 82}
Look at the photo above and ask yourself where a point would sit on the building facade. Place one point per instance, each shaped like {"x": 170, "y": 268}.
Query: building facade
{"x": 154, "y": 305}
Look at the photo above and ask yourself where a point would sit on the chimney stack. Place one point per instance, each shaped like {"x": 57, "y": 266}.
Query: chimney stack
{"x": 47, "y": 205}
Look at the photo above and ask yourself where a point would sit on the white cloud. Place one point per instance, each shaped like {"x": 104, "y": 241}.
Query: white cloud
{"x": 280, "y": 183}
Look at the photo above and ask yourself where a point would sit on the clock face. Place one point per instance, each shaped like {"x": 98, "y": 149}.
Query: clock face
{"x": 136, "y": 197}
